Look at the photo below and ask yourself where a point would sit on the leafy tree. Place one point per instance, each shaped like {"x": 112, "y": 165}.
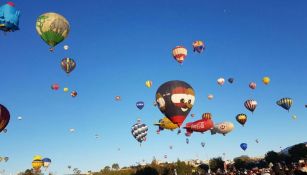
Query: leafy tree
{"x": 115, "y": 166}
{"x": 298, "y": 152}
{"x": 216, "y": 163}
{"x": 107, "y": 168}
{"x": 203, "y": 168}
{"x": 271, "y": 156}
{"x": 147, "y": 171}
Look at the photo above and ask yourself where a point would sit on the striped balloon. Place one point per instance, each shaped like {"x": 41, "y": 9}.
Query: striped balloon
{"x": 250, "y": 105}
{"x": 207, "y": 116}
{"x": 285, "y": 103}
{"x": 68, "y": 65}
{"x": 180, "y": 53}
{"x": 241, "y": 118}
{"x": 252, "y": 85}
{"x": 139, "y": 131}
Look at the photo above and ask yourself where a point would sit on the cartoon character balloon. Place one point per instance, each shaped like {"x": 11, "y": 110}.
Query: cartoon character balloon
{"x": 68, "y": 65}
{"x": 139, "y": 131}
{"x": 175, "y": 100}
{"x": 4, "y": 117}
{"x": 250, "y": 105}
{"x": 9, "y": 17}
{"x": 241, "y": 118}
{"x": 53, "y": 28}
{"x": 243, "y": 146}
{"x": 198, "y": 46}
{"x": 140, "y": 104}
{"x": 222, "y": 128}
{"x": 285, "y": 103}
{"x": 180, "y": 53}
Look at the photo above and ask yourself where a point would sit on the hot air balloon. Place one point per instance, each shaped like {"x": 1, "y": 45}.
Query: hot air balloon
{"x": 148, "y": 83}
{"x": 294, "y": 117}
{"x": 69, "y": 167}
{"x": 66, "y": 47}
{"x": 305, "y": 106}
{"x": 71, "y": 130}
{"x": 73, "y": 93}
{"x": 180, "y": 53}
{"x": 187, "y": 140}
{"x": 285, "y": 103}
{"x": 220, "y": 81}
{"x": 37, "y": 164}
{"x": 9, "y": 17}
{"x": 46, "y": 162}
{"x": 198, "y": 46}
{"x": 252, "y": 85}
{"x": 4, "y": 117}
{"x": 65, "y": 89}
{"x": 165, "y": 156}
{"x": 266, "y": 80}
{"x": 139, "y": 131}
{"x": 53, "y": 28}
{"x": 203, "y": 144}
{"x": 37, "y": 157}
{"x": 68, "y": 65}
{"x": 250, "y": 105}
{"x": 171, "y": 147}
{"x": 241, "y": 118}
{"x": 140, "y": 104}
{"x": 210, "y": 97}
{"x": 165, "y": 123}
{"x": 230, "y": 80}
{"x": 55, "y": 86}
{"x": 192, "y": 115}
{"x": 257, "y": 141}
{"x": 19, "y": 118}
{"x": 175, "y": 100}
{"x": 117, "y": 98}
{"x": 243, "y": 146}
{"x": 222, "y": 128}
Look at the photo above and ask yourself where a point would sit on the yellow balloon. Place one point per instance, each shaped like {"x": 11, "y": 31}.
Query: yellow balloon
{"x": 165, "y": 123}
{"x": 37, "y": 157}
{"x": 148, "y": 83}
{"x": 66, "y": 89}
{"x": 266, "y": 80}
{"x": 37, "y": 164}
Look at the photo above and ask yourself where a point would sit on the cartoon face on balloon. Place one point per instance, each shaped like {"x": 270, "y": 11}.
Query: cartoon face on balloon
{"x": 175, "y": 100}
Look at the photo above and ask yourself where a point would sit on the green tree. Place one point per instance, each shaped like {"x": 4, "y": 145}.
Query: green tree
{"x": 271, "y": 156}
{"x": 241, "y": 162}
{"x": 216, "y": 163}
{"x": 115, "y": 166}
{"x": 107, "y": 168}
{"x": 203, "y": 168}
{"x": 147, "y": 171}
{"x": 298, "y": 152}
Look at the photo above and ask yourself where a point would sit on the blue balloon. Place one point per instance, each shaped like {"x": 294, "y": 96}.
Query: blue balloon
{"x": 9, "y": 17}
{"x": 140, "y": 105}
{"x": 230, "y": 80}
{"x": 243, "y": 146}
{"x": 46, "y": 160}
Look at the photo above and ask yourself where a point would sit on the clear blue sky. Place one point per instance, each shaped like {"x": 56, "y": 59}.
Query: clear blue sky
{"x": 118, "y": 45}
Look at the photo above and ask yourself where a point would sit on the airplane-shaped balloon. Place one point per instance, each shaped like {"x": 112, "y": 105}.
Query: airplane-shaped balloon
{"x": 202, "y": 125}
{"x": 166, "y": 123}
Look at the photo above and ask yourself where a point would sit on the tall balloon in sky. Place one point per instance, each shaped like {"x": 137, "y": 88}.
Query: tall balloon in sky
{"x": 241, "y": 118}
{"x": 175, "y": 100}
{"x": 9, "y": 17}
{"x": 250, "y": 105}
{"x": 243, "y": 146}
{"x": 198, "y": 46}
{"x": 53, "y": 28}
{"x": 139, "y": 131}
{"x": 4, "y": 117}
{"x": 285, "y": 103}
{"x": 180, "y": 53}
{"x": 68, "y": 65}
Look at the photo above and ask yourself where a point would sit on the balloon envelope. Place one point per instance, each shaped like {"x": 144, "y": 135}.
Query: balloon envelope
{"x": 241, "y": 118}
{"x": 285, "y": 103}
{"x": 4, "y": 117}
{"x": 139, "y": 131}
{"x": 140, "y": 104}
{"x": 230, "y": 80}
{"x": 220, "y": 81}
{"x": 243, "y": 146}
{"x": 148, "y": 83}
{"x": 266, "y": 80}
{"x": 250, "y": 105}
{"x": 68, "y": 65}
{"x": 198, "y": 46}
{"x": 175, "y": 100}
{"x": 180, "y": 53}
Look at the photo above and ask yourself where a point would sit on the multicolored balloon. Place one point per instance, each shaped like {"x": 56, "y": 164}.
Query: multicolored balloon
{"x": 140, "y": 105}
{"x": 4, "y": 117}
{"x": 285, "y": 103}
{"x": 148, "y": 83}
{"x": 175, "y": 100}
{"x": 55, "y": 86}
{"x": 46, "y": 162}
{"x": 139, "y": 131}
{"x": 250, "y": 105}
{"x": 252, "y": 85}
{"x": 198, "y": 46}
{"x": 73, "y": 93}
{"x": 53, "y": 28}
{"x": 68, "y": 65}
{"x": 9, "y": 17}
{"x": 220, "y": 81}
{"x": 37, "y": 164}
{"x": 180, "y": 53}
{"x": 241, "y": 118}
{"x": 243, "y": 146}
